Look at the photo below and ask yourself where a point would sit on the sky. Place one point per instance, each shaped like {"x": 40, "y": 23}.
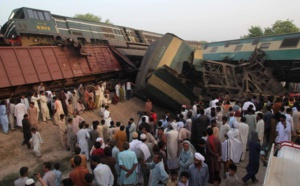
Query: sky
{"x": 209, "y": 20}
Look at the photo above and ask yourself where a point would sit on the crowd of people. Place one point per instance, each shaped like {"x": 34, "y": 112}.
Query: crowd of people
{"x": 195, "y": 146}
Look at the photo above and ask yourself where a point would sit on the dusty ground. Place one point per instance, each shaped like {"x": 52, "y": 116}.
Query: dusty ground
{"x": 14, "y": 156}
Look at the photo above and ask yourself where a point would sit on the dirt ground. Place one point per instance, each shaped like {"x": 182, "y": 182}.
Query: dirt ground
{"x": 14, "y": 156}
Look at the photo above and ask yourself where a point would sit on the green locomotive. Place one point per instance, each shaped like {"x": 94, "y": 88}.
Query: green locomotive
{"x": 29, "y": 27}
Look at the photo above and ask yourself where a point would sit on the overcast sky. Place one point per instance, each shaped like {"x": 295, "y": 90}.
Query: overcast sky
{"x": 210, "y": 20}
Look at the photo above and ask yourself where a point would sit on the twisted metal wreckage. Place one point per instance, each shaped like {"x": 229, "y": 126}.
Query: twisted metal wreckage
{"x": 173, "y": 74}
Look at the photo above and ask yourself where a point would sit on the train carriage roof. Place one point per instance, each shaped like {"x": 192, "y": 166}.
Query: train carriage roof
{"x": 250, "y": 40}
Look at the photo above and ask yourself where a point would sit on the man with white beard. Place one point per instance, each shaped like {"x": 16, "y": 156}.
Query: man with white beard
{"x": 244, "y": 131}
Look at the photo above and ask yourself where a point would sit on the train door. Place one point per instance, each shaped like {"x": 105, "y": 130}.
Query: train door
{"x": 138, "y": 36}
{"x": 125, "y": 34}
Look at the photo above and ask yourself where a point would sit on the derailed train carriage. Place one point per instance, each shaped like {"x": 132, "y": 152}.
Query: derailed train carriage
{"x": 37, "y": 46}
{"x": 236, "y": 67}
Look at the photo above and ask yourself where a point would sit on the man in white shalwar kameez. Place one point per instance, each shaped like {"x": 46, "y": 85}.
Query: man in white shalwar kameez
{"x": 117, "y": 88}
{"x": 289, "y": 119}
{"x": 134, "y": 145}
{"x": 172, "y": 146}
{"x": 101, "y": 95}
{"x": 244, "y": 131}
{"x": 20, "y": 110}
{"x": 74, "y": 98}
{"x": 106, "y": 116}
{"x": 36, "y": 142}
{"x": 25, "y": 101}
{"x": 235, "y": 146}
{"x": 82, "y": 137}
{"x": 260, "y": 127}
{"x": 194, "y": 109}
{"x": 35, "y": 100}
{"x": 283, "y": 130}
{"x": 44, "y": 106}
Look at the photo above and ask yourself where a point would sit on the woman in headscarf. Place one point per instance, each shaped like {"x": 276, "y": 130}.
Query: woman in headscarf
{"x": 254, "y": 158}
{"x": 186, "y": 156}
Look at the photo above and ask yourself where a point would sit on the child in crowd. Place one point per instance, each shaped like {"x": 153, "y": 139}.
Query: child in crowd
{"x": 106, "y": 100}
{"x": 184, "y": 179}
{"x": 36, "y": 142}
{"x": 231, "y": 178}
{"x": 102, "y": 109}
{"x": 173, "y": 180}
{"x": 58, "y": 174}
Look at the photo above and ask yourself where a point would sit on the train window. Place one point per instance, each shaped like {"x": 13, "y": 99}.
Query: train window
{"x": 234, "y": 42}
{"x": 41, "y": 16}
{"x": 105, "y": 29}
{"x": 227, "y": 44}
{"x": 19, "y": 14}
{"x": 35, "y": 15}
{"x": 264, "y": 45}
{"x": 255, "y": 42}
{"x": 290, "y": 42}
{"x": 238, "y": 48}
{"x": 30, "y": 14}
{"x": 47, "y": 16}
{"x": 214, "y": 49}
{"x": 205, "y": 47}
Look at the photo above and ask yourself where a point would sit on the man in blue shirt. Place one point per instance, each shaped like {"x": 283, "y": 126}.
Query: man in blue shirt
{"x": 128, "y": 162}
{"x": 158, "y": 175}
{"x": 198, "y": 171}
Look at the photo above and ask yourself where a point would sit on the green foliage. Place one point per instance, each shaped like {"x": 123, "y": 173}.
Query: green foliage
{"x": 91, "y": 17}
{"x": 255, "y": 31}
{"x": 203, "y": 42}
{"x": 284, "y": 27}
{"x": 279, "y": 27}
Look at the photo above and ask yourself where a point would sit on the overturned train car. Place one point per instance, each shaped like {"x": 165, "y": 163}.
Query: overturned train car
{"x": 194, "y": 76}
{"x": 22, "y": 68}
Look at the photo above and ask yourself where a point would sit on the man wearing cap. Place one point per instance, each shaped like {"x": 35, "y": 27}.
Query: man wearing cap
{"x": 135, "y": 142}
{"x": 198, "y": 171}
